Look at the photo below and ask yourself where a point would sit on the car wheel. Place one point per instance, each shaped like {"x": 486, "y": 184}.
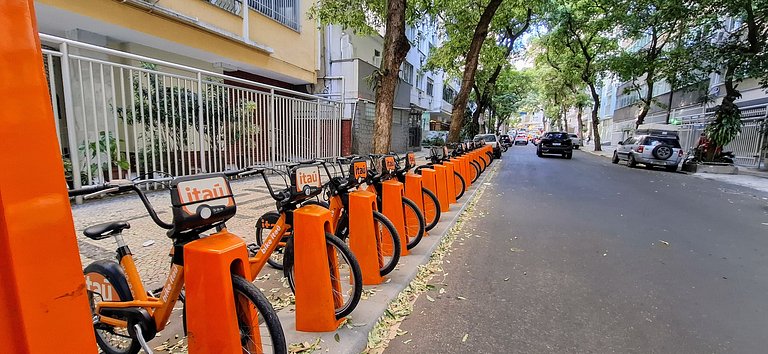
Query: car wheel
{"x": 615, "y": 158}
{"x": 538, "y": 153}
{"x": 569, "y": 155}
{"x": 631, "y": 162}
{"x": 576, "y": 147}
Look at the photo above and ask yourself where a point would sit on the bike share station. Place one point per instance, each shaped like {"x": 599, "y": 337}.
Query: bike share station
{"x": 42, "y": 276}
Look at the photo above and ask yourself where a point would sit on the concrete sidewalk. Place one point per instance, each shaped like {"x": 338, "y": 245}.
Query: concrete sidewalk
{"x": 747, "y": 177}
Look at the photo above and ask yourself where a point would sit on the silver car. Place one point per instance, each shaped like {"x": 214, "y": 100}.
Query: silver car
{"x": 575, "y": 140}
{"x": 650, "y": 150}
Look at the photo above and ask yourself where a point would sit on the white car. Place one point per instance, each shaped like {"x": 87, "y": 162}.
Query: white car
{"x": 575, "y": 140}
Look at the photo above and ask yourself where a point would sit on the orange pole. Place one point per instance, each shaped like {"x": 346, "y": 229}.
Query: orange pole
{"x": 315, "y": 302}
{"x": 392, "y": 208}
{"x": 442, "y": 187}
{"x": 449, "y": 182}
{"x": 363, "y": 238}
{"x": 429, "y": 181}
{"x": 413, "y": 191}
{"x": 42, "y": 287}
{"x": 210, "y": 301}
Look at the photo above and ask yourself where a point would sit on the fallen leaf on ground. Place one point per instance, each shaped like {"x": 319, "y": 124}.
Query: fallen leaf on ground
{"x": 430, "y": 299}
{"x": 665, "y": 243}
{"x": 464, "y": 339}
{"x": 461, "y": 298}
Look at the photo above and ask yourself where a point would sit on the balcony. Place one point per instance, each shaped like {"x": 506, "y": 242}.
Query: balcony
{"x": 285, "y": 12}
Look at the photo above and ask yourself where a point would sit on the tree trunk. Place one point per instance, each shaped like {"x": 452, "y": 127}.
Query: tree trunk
{"x": 648, "y": 99}
{"x": 396, "y": 47}
{"x": 595, "y": 118}
{"x": 669, "y": 105}
{"x": 470, "y": 68}
{"x": 580, "y": 123}
{"x": 565, "y": 119}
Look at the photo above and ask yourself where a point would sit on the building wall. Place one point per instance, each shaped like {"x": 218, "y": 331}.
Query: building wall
{"x": 362, "y": 129}
{"x": 200, "y": 26}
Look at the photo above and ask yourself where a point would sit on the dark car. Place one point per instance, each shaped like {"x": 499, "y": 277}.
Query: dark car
{"x": 555, "y": 143}
{"x": 505, "y": 140}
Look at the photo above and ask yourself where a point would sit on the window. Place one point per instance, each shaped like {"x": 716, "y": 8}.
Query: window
{"x": 283, "y": 11}
{"x": 410, "y": 33}
{"x": 652, "y": 140}
{"x": 448, "y": 94}
{"x": 406, "y": 72}
{"x": 561, "y": 136}
{"x": 430, "y": 86}
{"x": 419, "y": 81}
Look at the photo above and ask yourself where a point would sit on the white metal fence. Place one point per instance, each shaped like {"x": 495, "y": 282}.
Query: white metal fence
{"x": 748, "y": 145}
{"x": 122, "y": 115}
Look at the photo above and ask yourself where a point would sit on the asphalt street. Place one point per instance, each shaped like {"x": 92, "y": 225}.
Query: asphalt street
{"x": 582, "y": 256}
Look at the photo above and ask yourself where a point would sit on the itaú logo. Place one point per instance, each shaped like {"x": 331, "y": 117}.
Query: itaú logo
{"x": 194, "y": 194}
{"x": 307, "y": 176}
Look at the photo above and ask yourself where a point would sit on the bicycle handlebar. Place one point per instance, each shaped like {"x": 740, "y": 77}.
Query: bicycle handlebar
{"x": 120, "y": 186}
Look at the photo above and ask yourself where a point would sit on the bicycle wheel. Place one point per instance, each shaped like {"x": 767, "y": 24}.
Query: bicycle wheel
{"x": 111, "y": 340}
{"x": 255, "y": 316}
{"x": 483, "y": 163}
{"x": 414, "y": 222}
{"x": 474, "y": 171}
{"x": 431, "y": 208}
{"x": 345, "y": 271}
{"x": 263, "y": 228}
{"x": 390, "y": 241}
{"x": 459, "y": 185}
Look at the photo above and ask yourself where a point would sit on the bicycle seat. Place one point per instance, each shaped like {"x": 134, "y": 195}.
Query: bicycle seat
{"x": 102, "y": 231}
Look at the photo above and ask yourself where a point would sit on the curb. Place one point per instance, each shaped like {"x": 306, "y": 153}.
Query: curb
{"x": 352, "y": 337}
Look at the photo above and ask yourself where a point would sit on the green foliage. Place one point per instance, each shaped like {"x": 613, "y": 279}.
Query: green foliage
{"x": 727, "y": 125}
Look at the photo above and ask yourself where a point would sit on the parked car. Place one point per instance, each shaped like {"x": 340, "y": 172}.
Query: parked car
{"x": 555, "y": 143}
{"x": 505, "y": 140}
{"x": 521, "y": 138}
{"x": 490, "y": 139}
{"x": 650, "y": 150}
{"x": 575, "y": 140}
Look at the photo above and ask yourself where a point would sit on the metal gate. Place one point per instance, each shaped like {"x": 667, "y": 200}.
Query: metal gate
{"x": 121, "y": 115}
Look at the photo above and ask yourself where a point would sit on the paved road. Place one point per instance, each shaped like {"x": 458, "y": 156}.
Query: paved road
{"x": 580, "y": 242}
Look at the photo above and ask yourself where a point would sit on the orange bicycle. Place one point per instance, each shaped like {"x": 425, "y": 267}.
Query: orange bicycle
{"x": 125, "y": 317}
{"x": 276, "y": 248}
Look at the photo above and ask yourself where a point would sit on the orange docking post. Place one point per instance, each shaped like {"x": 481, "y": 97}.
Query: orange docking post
{"x": 442, "y": 187}
{"x": 316, "y": 301}
{"x": 392, "y": 208}
{"x": 450, "y": 182}
{"x": 363, "y": 238}
{"x": 209, "y": 297}
{"x": 43, "y": 287}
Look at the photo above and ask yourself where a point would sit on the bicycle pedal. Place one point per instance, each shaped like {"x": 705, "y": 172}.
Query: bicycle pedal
{"x": 252, "y": 249}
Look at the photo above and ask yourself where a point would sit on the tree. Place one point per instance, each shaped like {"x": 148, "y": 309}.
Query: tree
{"x": 654, "y": 21}
{"x": 363, "y": 16}
{"x": 466, "y": 51}
{"x": 577, "y": 41}
{"x": 741, "y": 53}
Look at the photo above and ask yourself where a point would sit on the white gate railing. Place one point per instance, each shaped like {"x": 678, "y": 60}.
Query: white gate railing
{"x": 123, "y": 115}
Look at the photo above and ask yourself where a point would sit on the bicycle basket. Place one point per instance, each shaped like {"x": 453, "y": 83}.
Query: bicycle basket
{"x": 305, "y": 182}
{"x": 201, "y": 200}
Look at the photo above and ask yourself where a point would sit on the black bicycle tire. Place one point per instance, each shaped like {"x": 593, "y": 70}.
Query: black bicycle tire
{"x": 427, "y": 194}
{"x": 272, "y": 215}
{"x": 463, "y": 185}
{"x": 413, "y": 241}
{"x": 266, "y": 312}
{"x": 351, "y": 260}
{"x": 390, "y": 266}
{"x": 97, "y": 267}
{"x": 476, "y": 166}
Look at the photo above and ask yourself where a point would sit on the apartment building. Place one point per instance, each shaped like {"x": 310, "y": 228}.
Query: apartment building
{"x": 423, "y": 100}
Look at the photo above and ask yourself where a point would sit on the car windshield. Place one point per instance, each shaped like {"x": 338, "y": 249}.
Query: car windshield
{"x": 490, "y": 138}
{"x": 653, "y": 141}
{"x": 556, "y": 136}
